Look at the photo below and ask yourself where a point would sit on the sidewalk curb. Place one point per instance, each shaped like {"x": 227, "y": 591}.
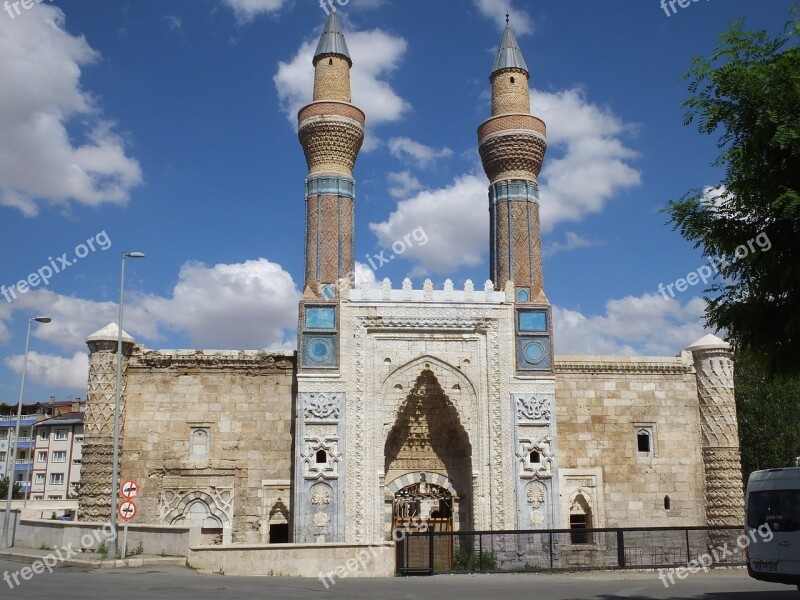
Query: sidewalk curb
{"x": 22, "y": 555}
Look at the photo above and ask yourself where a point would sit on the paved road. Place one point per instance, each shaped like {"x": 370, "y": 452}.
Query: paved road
{"x": 172, "y": 583}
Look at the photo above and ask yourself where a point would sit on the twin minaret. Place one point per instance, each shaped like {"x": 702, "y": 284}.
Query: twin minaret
{"x": 512, "y": 147}
{"x": 331, "y": 132}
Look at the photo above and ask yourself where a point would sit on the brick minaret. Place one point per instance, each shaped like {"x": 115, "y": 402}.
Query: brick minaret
{"x": 331, "y": 132}
{"x": 512, "y": 147}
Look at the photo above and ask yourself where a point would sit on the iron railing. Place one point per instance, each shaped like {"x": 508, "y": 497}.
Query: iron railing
{"x": 434, "y": 552}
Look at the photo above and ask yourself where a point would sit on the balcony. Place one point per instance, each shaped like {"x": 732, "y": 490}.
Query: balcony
{"x": 22, "y": 464}
{"x": 26, "y": 442}
{"x": 24, "y": 420}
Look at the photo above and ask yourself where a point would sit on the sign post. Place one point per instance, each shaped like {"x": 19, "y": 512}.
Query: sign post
{"x": 127, "y": 510}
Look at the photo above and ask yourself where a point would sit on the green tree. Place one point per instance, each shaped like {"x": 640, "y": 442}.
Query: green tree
{"x": 768, "y": 407}
{"x": 16, "y": 493}
{"x": 748, "y": 91}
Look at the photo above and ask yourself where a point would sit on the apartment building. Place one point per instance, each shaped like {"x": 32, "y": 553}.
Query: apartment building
{"x": 57, "y": 457}
{"x": 21, "y": 466}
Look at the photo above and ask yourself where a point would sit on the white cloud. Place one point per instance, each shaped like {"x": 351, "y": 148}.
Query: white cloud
{"x": 174, "y": 23}
{"x": 586, "y": 165}
{"x": 250, "y": 305}
{"x": 364, "y": 275}
{"x": 54, "y": 371}
{"x": 41, "y": 96}
{"x": 572, "y": 241}
{"x": 403, "y": 183}
{"x": 646, "y": 324}
{"x": 247, "y": 10}
{"x": 244, "y": 305}
{"x": 73, "y": 318}
{"x": 420, "y": 155}
{"x": 717, "y": 197}
{"x": 455, "y": 220}
{"x": 587, "y": 162}
{"x": 496, "y": 10}
{"x": 375, "y": 55}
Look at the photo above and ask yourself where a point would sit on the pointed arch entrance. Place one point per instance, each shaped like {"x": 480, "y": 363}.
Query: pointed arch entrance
{"x": 428, "y": 459}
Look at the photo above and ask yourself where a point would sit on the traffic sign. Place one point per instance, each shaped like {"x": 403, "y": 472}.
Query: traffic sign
{"x": 127, "y": 510}
{"x": 129, "y": 490}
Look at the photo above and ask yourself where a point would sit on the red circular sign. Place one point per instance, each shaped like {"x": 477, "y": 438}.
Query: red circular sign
{"x": 129, "y": 490}
{"x": 127, "y": 510}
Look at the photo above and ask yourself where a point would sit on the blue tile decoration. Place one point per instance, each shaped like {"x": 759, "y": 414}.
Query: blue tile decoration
{"x": 328, "y": 291}
{"x": 320, "y": 317}
{"x": 533, "y": 320}
{"x": 320, "y": 350}
{"x": 533, "y": 353}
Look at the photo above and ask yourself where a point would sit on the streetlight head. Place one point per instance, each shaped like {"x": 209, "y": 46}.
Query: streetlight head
{"x": 42, "y": 319}
{"x": 134, "y": 254}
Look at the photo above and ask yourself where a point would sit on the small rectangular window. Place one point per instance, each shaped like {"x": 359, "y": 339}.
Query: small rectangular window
{"x": 41, "y": 457}
{"x": 60, "y": 456}
{"x": 645, "y": 445}
{"x": 40, "y": 479}
{"x": 62, "y": 434}
{"x": 577, "y": 524}
{"x": 56, "y": 479}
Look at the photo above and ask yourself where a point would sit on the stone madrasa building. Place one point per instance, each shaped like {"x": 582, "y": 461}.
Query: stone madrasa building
{"x": 441, "y": 404}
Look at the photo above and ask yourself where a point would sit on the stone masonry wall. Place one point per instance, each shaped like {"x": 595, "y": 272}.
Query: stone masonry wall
{"x": 601, "y": 404}
{"x": 212, "y": 427}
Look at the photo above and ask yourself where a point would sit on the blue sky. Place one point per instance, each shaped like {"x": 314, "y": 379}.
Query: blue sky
{"x": 169, "y": 128}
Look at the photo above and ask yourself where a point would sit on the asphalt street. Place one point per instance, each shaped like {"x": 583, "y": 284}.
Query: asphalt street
{"x": 176, "y": 583}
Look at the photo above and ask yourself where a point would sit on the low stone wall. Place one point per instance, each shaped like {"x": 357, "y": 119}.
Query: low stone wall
{"x": 44, "y": 509}
{"x": 154, "y": 539}
{"x": 326, "y": 561}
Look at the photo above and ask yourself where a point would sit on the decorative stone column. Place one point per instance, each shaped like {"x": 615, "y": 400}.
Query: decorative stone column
{"x": 724, "y": 497}
{"x": 98, "y": 445}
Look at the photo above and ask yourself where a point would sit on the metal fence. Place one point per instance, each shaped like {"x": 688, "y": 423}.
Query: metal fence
{"x": 435, "y": 552}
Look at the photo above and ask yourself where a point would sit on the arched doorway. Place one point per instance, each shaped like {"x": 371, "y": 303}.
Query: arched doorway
{"x": 426, "y": 447}
{"x": 422, "y": 505}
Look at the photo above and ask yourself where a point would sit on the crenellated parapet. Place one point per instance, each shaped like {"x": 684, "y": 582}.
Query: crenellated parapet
{"x": 383, "y": 292}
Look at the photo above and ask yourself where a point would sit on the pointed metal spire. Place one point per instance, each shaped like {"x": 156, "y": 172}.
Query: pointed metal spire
{"x": 509, "y": 56}
{"x": 332, "y": 40}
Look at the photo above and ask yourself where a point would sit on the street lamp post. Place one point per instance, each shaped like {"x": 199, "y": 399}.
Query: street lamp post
{"x": 112, "y": 545}
{"x": 6, "y": 541}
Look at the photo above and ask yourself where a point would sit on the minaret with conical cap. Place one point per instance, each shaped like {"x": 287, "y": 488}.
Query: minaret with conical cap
{"x": 512, "y": 147}
{"x": 331, "y": 131}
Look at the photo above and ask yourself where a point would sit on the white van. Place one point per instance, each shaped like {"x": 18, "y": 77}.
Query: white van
{"x": 772, "y": 522}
